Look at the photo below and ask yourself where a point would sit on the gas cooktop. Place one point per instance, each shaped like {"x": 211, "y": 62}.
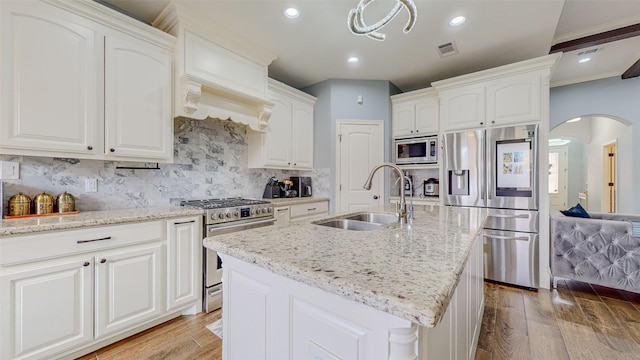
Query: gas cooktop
{"x": 222, "y": 203}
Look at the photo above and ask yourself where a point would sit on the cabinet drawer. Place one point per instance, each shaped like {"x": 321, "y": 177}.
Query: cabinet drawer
{"x": 315, "y": 208}
{"x": 48, "y": 245}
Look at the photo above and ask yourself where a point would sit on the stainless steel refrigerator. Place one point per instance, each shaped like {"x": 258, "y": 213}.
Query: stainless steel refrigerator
{"x": 498, "y": 169}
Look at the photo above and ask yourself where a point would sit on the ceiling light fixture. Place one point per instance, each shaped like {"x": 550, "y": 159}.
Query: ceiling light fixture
{"x": 574, "y": 120}
{"x": 353, "y": 60}
{"x": 355, "y": 19}
{"x": 558, "y": 142}
{"x": 458, "y": 20}
{"x": 291, "y": 13}
{"x": 584, "y": 60}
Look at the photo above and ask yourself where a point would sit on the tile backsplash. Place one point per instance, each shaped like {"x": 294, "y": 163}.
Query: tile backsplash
{"x": 210, "y": 161}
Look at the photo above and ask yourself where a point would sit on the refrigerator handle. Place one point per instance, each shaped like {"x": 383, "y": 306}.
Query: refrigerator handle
{"x": 498, "y": 237}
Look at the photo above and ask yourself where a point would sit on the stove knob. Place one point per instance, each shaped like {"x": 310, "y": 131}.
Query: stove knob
{"x": 258, "y": 211}
{"x": 221, "y": 216}
{"x": 213, "y": 216}
{"x": 253, "y": 212}
{"x": 228, "y": 215}
{"x": 269, "y": 210}
{"x": 235, "y": 214}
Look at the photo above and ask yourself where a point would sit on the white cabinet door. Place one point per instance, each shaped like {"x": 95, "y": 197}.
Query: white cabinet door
{"x": 281, "y": 215}
{"x": 129, "y": 288}
{"x": 463, "y": 108}
{"x": 302, "y": 136}
{"x": 403, "y": 119}
{"x": 513, "y": 100}
{"x": 277, "y": 142}
{"x": 427, "y": 116}
{"x": 184, "y": 262}
{"x": 51, "y": 87}
{"x": 138, "y": 119}
{"x": 47, "y": 309}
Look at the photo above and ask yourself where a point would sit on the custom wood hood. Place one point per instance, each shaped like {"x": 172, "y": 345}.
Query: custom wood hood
{"x": 217, "y": 73}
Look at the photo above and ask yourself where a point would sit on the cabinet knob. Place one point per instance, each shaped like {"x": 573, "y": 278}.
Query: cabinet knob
{"x": 112, "y": 150}
{"x": 417, "y": 131}
{"x": 102, "y": 261}
{"x": 89, "y": 147}
{"x": 294, "y": 164}
{"x": 493, "y": 121}
{"x": 481, "y": 123}
{"x": 412, "y": 131}
{"x": 375, "y": 197}
{"x": 288, "y": 163}
{"x": 86, "y": 263}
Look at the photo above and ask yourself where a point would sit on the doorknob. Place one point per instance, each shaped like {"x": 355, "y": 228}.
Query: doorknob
{"x": 375, "y": 197}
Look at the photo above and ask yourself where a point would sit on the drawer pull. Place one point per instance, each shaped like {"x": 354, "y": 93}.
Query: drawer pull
{"x": 185, "y": 222}
{"x": 86, "y": 263}
{"x": 92, "y": 240}
{"x": 102, "y": 261}
{"x": 311, "y": 209}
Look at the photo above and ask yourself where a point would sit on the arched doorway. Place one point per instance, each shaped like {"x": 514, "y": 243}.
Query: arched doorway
{"x": 594, "y": 180}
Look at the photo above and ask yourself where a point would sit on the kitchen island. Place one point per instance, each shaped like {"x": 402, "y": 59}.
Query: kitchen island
{"x": 396, "y": 292}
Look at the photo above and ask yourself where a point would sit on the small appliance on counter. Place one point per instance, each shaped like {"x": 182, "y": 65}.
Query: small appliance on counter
{"x": 287, "y": 190}
{"x": 408, "y": 184}
{"x": 302, "y": 184}
{"x": 431, "y": 187}
{"x": 272, "y": 189}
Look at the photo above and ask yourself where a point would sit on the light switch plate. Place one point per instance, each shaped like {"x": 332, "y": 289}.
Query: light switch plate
{"x": 91, "y": 185}
{"x": 9, "y": 170}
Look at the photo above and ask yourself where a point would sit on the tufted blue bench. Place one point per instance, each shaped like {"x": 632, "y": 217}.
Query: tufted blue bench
{"x": 600, "y": 250}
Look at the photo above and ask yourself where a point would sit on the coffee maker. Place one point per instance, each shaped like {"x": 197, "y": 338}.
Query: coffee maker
{"x": 302, "y": 184}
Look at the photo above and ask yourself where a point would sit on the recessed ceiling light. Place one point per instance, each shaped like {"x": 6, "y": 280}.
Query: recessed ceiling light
{"x": 353, "y": 60}
{"x": 584, "y": 60}
{"x": 291, "y": 13}
{"x": 558, "y": 142}
{"x": 574, "y": 120}
{"x": 458, "y": 20}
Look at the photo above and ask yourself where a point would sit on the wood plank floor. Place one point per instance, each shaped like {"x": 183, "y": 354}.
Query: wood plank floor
{"x": 577, "y": 322}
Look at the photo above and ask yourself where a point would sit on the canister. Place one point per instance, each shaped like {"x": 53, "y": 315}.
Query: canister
{"x": 66, "y": 202}
{"x": 43, "y": 203}
{"x": 19, "y": 204}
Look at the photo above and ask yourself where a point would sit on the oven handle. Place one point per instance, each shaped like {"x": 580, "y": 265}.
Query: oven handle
{"x": 250, "y": 225}
{"x": 214, "y": 293}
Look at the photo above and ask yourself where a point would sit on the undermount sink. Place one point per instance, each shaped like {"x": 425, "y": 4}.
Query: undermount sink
{"x": 360, "y": 222}
{"x": 382, "y": 219}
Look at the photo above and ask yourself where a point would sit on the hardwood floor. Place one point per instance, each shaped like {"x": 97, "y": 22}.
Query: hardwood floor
{"x": 577, "y": 322}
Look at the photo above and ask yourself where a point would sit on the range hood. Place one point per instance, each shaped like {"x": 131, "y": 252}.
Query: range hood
{"x": 217, "y": 73}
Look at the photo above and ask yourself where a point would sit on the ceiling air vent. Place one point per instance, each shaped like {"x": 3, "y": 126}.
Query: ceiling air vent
{"x": 447, "y": 49}
{"x": 586, "y": 52}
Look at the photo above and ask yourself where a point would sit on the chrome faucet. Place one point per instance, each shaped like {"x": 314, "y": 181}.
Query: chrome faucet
{"x": 401, "y": 208}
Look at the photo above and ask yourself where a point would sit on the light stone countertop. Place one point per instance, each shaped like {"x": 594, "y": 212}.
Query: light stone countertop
{"x": 29, "y": 225}
{"x": 407, "y": 271}
{"x": 295, "y": 200}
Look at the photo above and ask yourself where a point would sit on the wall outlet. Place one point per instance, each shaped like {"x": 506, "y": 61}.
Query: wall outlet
{"x": 91, "y": 185}
{"x": 9, "y": 170}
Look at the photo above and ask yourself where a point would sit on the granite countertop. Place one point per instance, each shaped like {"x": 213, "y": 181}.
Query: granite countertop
{"x": 295, "y": 200}
{"x": 407, "y": 271}
{"x": 28, "y": 225}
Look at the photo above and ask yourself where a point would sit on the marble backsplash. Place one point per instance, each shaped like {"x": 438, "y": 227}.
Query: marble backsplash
{"x": 210, "y": 161}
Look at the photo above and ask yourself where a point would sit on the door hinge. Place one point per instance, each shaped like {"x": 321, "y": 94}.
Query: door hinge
{"x": 612, "y": 154}
{"x": 340, "y": 187}
{"x": 339, "y": 137}
{"x": 610, "y": 184}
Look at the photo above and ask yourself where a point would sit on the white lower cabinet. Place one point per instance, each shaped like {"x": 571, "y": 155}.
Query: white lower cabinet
{"x": 128, "y": 289}
{"x": 184, "y": 262}
{"x": 64, "y": 291}
{"x": 282, "y": 216}
{"x": 309, "y": 211}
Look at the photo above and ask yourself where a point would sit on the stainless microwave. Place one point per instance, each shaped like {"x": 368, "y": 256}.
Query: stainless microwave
{"x": 418, "y": 150}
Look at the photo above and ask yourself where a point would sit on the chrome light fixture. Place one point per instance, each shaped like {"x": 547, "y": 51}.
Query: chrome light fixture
{"x": 355, "y": 20}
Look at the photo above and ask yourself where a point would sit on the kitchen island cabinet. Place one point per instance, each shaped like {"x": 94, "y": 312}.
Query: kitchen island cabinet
{"x": 397, "y": 292}
{"x": 102, "y": 277}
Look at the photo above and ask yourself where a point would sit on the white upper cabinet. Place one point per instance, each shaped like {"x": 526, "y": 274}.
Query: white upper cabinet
{"x": 96, "y": 87}
{"x": 415, "y": 113}
{"x": 288, "y": 142}
{"x": 510, "y": 94}
{"x": 51, "y": 91}
{"x": 137, "y": 99}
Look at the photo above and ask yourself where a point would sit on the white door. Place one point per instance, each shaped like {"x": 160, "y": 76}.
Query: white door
{"x": 360, "y": 148}
{"x": 558, "y": 175}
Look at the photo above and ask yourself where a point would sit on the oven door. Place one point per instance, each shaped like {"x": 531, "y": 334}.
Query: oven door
{"x": 213, "y": 264}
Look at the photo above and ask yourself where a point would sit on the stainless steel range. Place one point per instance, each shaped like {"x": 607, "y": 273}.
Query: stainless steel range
{"x": 224, "y": 216}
